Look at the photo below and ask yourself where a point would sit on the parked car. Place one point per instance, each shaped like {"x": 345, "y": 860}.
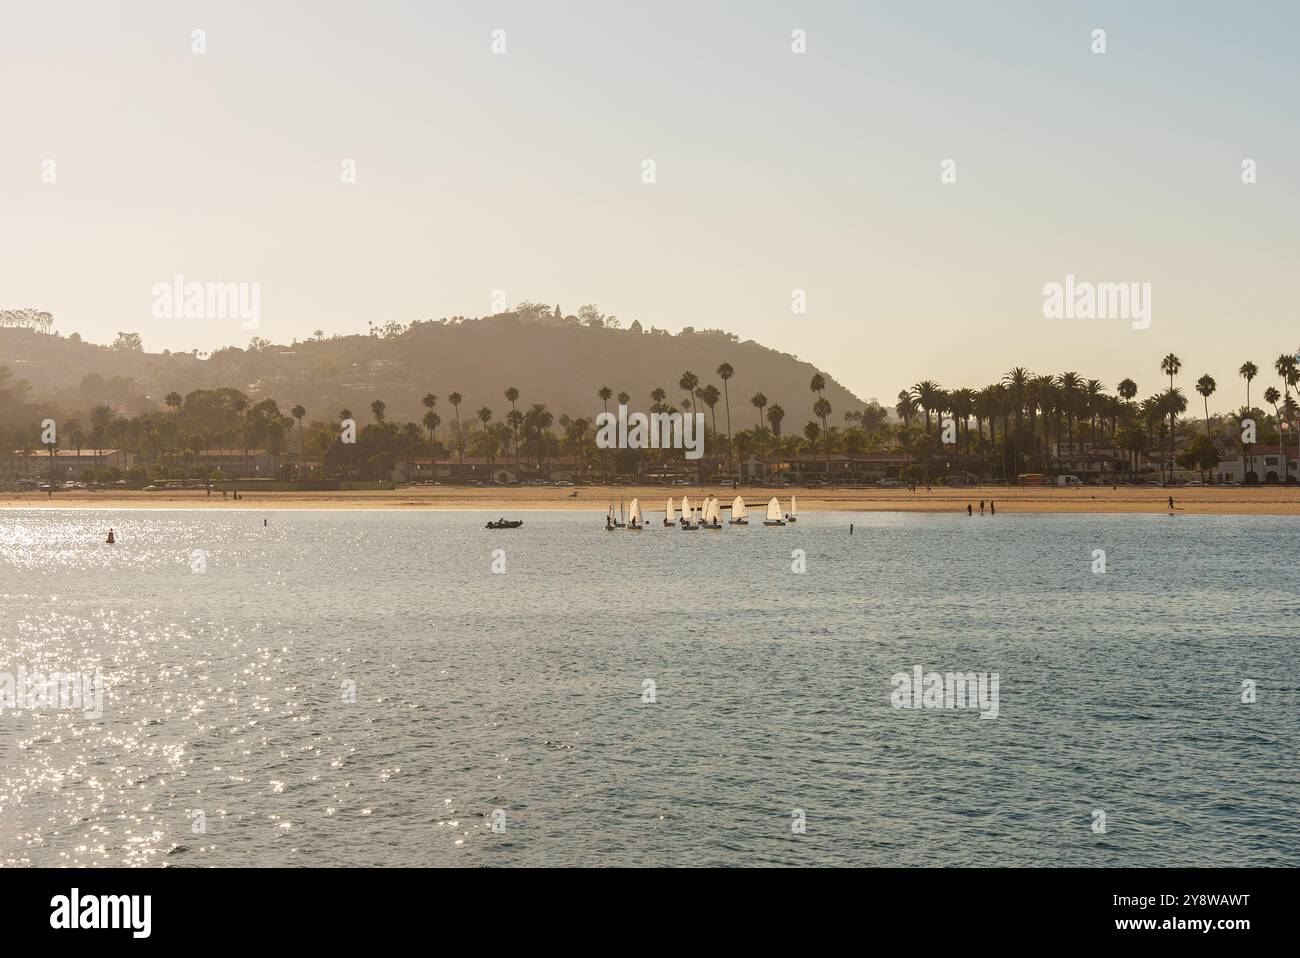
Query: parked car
{"x": 891, "y": 483}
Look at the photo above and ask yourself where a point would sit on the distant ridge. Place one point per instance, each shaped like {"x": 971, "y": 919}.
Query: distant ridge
{"x": 559, "y": 364}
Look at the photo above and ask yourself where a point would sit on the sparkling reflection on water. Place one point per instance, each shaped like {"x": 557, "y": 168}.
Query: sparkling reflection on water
{"x": 522, "y": 692}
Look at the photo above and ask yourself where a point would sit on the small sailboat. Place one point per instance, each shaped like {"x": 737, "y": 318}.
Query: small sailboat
{"x": 634, "y": 520}
{"x": 611, "y": 523}
{"x": 688, "y": 515}
{"x": 739, "y": 514}
{"x": 793, "y": 514}
{"x": 670, "y": 518}
{"x": 712, "y": 514}
{"x": 774, "y": 514}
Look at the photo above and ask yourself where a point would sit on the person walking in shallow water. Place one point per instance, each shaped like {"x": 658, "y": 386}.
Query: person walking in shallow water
{"x": 968, "y": 509}
{"x": 993, "y": 510}
{"x": 981, "y": 507}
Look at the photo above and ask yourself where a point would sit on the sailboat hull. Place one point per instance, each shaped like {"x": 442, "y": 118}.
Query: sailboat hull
{"x": 738, "y": 522}
{"x": 773, "y": 522}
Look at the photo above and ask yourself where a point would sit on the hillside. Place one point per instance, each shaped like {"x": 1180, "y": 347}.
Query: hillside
{"x": 562, "y": 366}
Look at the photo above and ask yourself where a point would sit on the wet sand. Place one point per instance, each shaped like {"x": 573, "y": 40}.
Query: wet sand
{"x": 1206, "y": 500}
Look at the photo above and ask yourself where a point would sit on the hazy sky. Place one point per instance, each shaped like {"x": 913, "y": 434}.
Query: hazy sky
{"x": 775, "y": 171}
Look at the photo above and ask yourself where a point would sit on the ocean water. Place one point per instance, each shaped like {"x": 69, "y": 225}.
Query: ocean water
{"x": 499, "y": 716}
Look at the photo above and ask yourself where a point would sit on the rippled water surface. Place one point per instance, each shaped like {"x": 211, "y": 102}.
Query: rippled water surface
{"x": 522, "y": 692}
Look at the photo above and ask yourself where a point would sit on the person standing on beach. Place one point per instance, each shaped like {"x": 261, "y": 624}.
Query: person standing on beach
{"x": 981, "y": 507}
{"x": 993, "y": 510}
{"x": 968, "y": 510}
{"x": 1171, "y": 503}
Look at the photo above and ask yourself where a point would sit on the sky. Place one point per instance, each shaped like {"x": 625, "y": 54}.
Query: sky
{"x": 774, "y": 171}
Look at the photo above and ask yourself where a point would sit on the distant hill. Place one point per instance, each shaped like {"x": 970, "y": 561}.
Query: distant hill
{"x": 560, "y": 364}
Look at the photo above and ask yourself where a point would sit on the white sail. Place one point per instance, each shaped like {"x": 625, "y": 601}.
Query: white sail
{"x": 773, "y": 510}
{"x": 714, "y": 511}
{"x": 634, "y": 511}
{"x": 687, "y": 515}
{"x": 672, "y": 515}
{"x": 794, "y": 506}
{"x": 738, "y": 510}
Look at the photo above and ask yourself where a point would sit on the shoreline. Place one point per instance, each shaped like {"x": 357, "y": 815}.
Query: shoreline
{"x": 1202, "y": 500}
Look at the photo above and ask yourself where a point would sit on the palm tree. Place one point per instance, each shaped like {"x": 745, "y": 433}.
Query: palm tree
{"x": 240, "y": 405}
{"x": 1093, "y": 390}
{"x": 431, "y": 422}
{"x": 759, "y": 401}
{"x": 709, "y": 395}
{"x": 963, "y": 405}
{"x": 485, "y": 417}
{"x": 537, "y": 420}
{"x": 173, "y": 402}
{"x": 1170, "y": 366}
{"x": 1285, "y": 366}
{"x": 1174, "y": 403}
{"x": 905, "y": 407}
{"x": 377, "y": 409}
{"x": 725, "y": 372}
{"x": 1248, "y": 372}
{"x": 691, "y": 383}
{"x": 512, "y": 394}
{"x": 774, "y": 416}
{"x": 604, "y": 392}
{"x": 1017, "y": 382}
{"x": 1206, "y": 386}
{"x": 926, "y": 394}
{"x": 1271, "y": 396}
{"x": 454, "y": 399}
{"x": 298, "y": 412}
{"x": 822, "y": 410}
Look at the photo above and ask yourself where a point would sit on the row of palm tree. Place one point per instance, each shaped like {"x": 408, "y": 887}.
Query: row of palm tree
{"x": 1039, "y": 413}
{"x": 1024, "y": 422}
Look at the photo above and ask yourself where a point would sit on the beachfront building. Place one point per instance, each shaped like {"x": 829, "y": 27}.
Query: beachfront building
{"x": 235, "y": 463}
{"x": 1263, "y": 464}
{"x": 471, "y": 469}
{"x": 66, "y": 464}
{"x": 840, "y": 468}
{"x": 1100, "y": 463}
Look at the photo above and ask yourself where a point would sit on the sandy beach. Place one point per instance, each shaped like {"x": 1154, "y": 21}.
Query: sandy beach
{"x": 1205, "y": 500}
